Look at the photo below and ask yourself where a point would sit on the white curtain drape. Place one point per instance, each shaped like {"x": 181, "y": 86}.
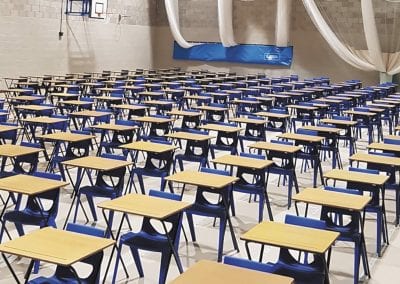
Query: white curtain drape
{"x": 172, "y": 8}
{"x": 282, "y": 23}
{"x": 371, "y": 35}
{"x": 372, "y": 59}
{"x": 225, "y": 22}
{"x": 340, "y": 49}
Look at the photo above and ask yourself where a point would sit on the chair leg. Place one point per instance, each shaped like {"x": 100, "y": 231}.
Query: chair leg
{"x": 138, "y": 263}
{"x": 116, "y": 264}
{"x": 189, "y": 217}
{"x": 164, "y": 266}
{"x": 222, "y": 228}
{"x": 357, "y": 257}
{"x": 92, "y": 207}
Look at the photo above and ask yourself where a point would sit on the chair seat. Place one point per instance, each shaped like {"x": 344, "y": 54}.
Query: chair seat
{"x": 98, "y": 191}
{"x": 7, "y": 174}
{"x": 54, "y": 280}
{"x": 208, "y": 210}
{"x": 27, "y": 217}
{"x": 146, "y": 241}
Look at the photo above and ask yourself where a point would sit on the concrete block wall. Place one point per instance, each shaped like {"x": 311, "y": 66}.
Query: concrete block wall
{"x": 254, "y": 22}
{"x": 29, "y": 42}
{"x": 136, "y": 34}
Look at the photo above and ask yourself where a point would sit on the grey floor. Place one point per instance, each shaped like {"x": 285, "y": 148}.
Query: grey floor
{"x": 384, "y": 269}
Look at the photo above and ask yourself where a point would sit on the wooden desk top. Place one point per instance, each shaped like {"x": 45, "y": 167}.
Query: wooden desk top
{"x": 384, "y": 147}
{"x": 212, "y": 108}
{"x": 108, "y": 98}
{"x": 361, "y": 113}
{"x": 66, "y": 137}
{"x": 26, "y": 98}
{"x": 44, "y": 120}
{"x": 90, "y": 113}
{"x": 202, "y": 179}
{"x": 144, "y": 205}
{"x": 114, "y": 127}
{"x": 35, "y": 107}
{"x": 218, "y": 127}
{"x": 189, "y": 136}
{"x": 291, "y": 237}
{"x": 268, "y": 146}
{"x": 5, "y": 128}
{"x": 333, "y": 199}
{"x": 381, "y": 105}
{"x": 396, "y": 137}
{"x": 376, "y": 159}
{"x": 147, "y": 146}
{"x": 29, "y": 185}
{"x": 272, "y": 114}
{"x": 158, "y": 103}
{"x": 152, "y": 119}
{"x": 183, "y": 113}
{"x": 244, "y": 162}
{"x": 210, "y": 272}
{"x": 302, "y": 107}
{"x": 321, "y": 129}
{"x": 195, "y": 97}
{"x": 55, "y": 246}
{"x": 130, "y": 107}
{"x": 342, "y": 98}
{"x": 389, "y": 101}
{"x": 241, "y": 101}
{"x": 339, "y": 122}
{"x": 301, "y": 137}
{"x": 151, "y": 94}
{"x": 350, "y": 176}
{"x": 12, "y": 151}
{"x": 75, "y": 103}
{"x": 332, "y": 101}
{"x": 97, "y": 163}
{"x": 248, "y": 120}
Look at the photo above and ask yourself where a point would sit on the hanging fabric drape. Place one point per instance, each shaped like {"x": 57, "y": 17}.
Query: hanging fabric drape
{"x": 340, "y": 49}
{"x": 225, "y": 22}
{"x": 172, "y": 8}
{"x": 282, "y": 24}
{"x": 371, "y": 35}
{"x": 370, "y": 58}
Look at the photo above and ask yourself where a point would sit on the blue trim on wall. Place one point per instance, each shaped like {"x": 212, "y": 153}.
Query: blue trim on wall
{"x": 242, "y": 53}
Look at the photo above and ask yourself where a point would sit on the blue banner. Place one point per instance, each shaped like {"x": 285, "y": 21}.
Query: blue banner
{"x": 243, "y": 53}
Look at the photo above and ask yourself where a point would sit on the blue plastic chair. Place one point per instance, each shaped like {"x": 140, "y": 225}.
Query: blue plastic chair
{"x": 253, "y": 265}
{"x": 253, "y": 132}
{"x": 148, "y": 238}
{"x": 195, "y": 151}
{"x": 156, "y": 165}
{"x": 349, "y": 232}
{"x": 226, "y": 141}
{"x": 204, "y": 207}
{"x": 34, "y": 214}
{"x": 377, "y": 205}
{"x": 26, "y": 164}
{"x": 303, "y": 272}
{"x": 118, "y": 137}
{"x": 64, "y": 274}
{"x": 252, "y": 181}
{"x": 109, "y": 184}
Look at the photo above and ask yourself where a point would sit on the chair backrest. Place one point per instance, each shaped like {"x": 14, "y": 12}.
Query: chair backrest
{"x": 374, "y": 190}
{"x": 175, "y": 219}
{"x": 9, "y": 137}
{"x": 65, "y": 274}
{"x": 253, "y": 265}
{"x": 391, "y": 141}
{"x": 249, "y": 176}
{"x": 27, "y": 164}
{"x": 112, "y": 179}
{"x": 159, "y": 161}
